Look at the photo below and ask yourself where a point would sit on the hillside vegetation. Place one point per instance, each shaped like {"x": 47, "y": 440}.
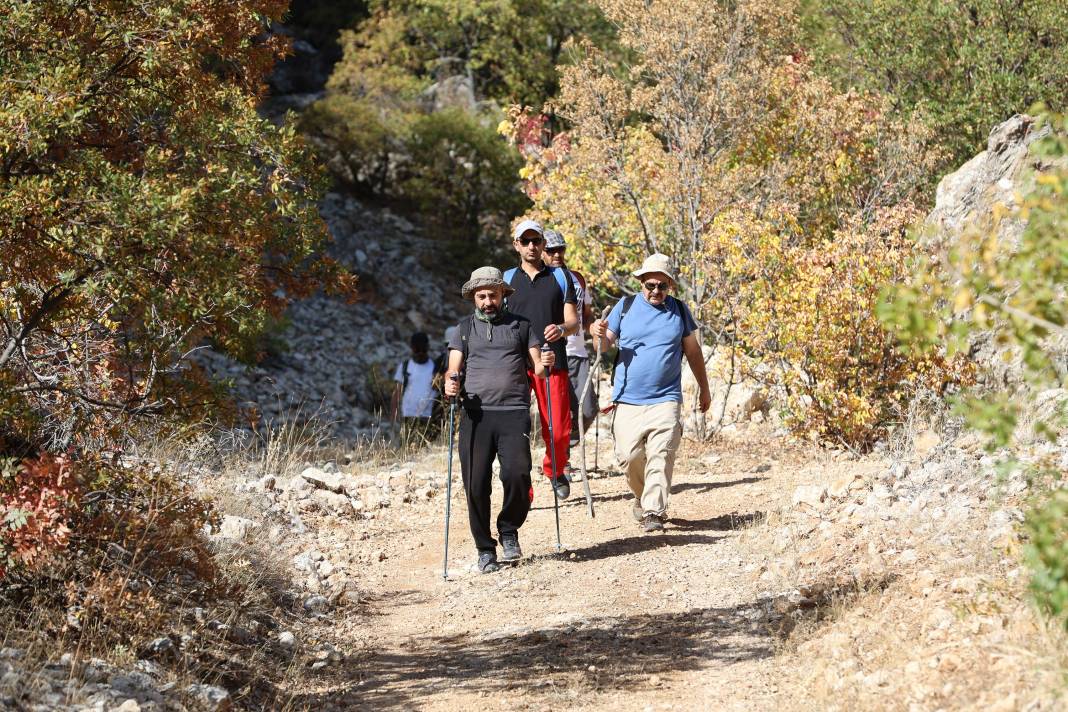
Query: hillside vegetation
{"x": 786, "y": 154}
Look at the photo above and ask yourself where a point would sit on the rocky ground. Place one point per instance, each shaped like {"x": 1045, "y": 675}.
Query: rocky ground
{"x": 336, "y": 359}
{"x": 788, "y": 577}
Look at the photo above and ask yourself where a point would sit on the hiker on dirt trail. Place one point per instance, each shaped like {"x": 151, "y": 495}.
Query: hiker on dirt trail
{"x": 414, "y": 392}
{"x": 546, "y": 296}
{"x": 578, "y": 358}
{"x": 494, "y": 350}
{"x": 653, "y": 330}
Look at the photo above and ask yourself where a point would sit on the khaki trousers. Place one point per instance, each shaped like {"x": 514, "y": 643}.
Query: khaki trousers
{"x": 646, "y": 441}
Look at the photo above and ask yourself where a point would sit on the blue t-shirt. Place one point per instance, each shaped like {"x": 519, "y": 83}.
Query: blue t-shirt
{"x": 649, "y": 370}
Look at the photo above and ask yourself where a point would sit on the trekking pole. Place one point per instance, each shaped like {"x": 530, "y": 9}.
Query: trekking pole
{"x": 597, "y": 415}
{"x": 597, "y": 397}
{"x": 552, "y": 446}
{"x": 582, "y": 422}
{"x": 448, "y": 481}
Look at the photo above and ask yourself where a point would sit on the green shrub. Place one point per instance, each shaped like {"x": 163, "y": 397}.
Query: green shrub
{"x": 966, "y": 64}
{"x": 462, "y": 173}
{"x": 355, "y": 139}
{"x": 1046, "y": 552}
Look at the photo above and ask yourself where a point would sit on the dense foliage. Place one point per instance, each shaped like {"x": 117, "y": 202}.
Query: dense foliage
{"x": 1010, "y": 292}
{"x": 1013, "y": 289}
{"x": 144, "y": 207}
{"x": 966, "y": 65}
{"x": 411, "y": 107}
{"x": 717, "y": 144}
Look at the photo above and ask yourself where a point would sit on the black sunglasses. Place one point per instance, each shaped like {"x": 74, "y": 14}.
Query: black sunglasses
{"x": 555, "y": 250}
{"x": 656, "y": 286}
{"x": 524, "y": 241}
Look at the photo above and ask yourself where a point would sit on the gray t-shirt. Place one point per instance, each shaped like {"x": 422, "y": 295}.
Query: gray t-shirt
{"x": 495, "y": 369}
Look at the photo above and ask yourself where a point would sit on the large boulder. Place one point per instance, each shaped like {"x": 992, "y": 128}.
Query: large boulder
{"x": 455, "y": 92}
{"x": 735, "y": 399}
{"x": 969, "y": 199}
{"x": 965, "y": 199}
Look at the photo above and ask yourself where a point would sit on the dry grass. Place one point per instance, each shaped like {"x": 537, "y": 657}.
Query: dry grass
{"x": 223, "y": 620}
{"x": 905, "y": 612}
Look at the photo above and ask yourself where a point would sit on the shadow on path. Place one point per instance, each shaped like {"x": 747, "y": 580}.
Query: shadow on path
{"x": 709, "y": 486}
{"x": 722, "y": 523}
{"x": 675, "y": 489}
{"x": 625, "y": 651}
{"x": 636, "y": 544}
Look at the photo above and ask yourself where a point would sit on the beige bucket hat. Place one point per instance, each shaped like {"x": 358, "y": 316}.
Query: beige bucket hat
{"x": 485, "y": 277}
{"x": 657, "y": 263}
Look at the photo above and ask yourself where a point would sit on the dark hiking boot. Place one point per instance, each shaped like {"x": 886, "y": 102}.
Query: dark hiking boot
{"x": 653, "y": 523}
{"x": 510, "y": 550}
{"x": 487, "y": 562}
{"x": 636, "y": 511}
{"x": 562, "y": 486}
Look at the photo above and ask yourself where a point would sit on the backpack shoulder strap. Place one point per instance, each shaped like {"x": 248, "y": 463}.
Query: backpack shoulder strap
{"x": 628, "y": 301}
{"x": 465, "y": 335}
{"x": 406, "y": 365}
{"x": 562, "y": 278}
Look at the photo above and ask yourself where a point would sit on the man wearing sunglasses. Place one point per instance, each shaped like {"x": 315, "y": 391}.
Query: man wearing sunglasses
{"x": 546, "y": 297}
{"x": 654, "y": 331}
{"x": 578, "y": 359}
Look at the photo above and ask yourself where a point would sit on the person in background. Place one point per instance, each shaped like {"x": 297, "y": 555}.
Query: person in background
{"x": 414, "y": 392}
{"x": 578, "y": 358}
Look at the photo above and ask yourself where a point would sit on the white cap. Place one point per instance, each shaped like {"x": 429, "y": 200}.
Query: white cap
{"x": 525, "y": 226}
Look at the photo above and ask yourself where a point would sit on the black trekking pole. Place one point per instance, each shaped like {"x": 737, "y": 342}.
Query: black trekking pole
{"x": 448, "y": 482}
{"x": 552, "y": 447}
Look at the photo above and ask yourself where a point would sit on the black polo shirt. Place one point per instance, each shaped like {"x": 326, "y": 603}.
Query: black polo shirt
{"x": 542, "y": 301}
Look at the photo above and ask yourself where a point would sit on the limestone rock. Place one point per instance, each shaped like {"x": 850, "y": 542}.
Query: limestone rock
{"x": 235, "y": 528}
{"x": 809, "y": 496}
{"x": 966, "y": 200}
{"x": 320, "y": 479}
{"x": 210, "y": 698}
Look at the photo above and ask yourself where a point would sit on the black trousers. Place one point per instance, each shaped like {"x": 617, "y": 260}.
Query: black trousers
{"x": 505, "y": 435}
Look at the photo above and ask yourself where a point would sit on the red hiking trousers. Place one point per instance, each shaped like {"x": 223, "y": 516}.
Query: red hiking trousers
{"x": 560, "y": 385}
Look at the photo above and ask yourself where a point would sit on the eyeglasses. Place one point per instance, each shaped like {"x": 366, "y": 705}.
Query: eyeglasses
{"x": 656, "y": 286}
{"x": 555, "y": 250}
{"x": 524, "y": 241}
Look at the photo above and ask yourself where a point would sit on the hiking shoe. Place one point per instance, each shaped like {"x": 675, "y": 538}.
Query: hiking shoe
{"x": 562, "y": 486}
{"x": 487, "y": 562}
{"x": 653, "y": 523}
{"x": 510, "y": 550}
{"x": 636, "y": 511}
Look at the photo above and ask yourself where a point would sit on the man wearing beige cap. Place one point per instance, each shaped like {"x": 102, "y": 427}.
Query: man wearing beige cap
{"x": 653, "y": 330}
{"x": 492, "y": 351}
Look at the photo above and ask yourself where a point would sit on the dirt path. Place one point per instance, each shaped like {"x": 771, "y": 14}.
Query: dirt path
{"x": 619, "y": 620}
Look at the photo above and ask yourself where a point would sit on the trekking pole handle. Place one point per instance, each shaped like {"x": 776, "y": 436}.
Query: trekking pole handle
{"x": 454, "y": 378}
